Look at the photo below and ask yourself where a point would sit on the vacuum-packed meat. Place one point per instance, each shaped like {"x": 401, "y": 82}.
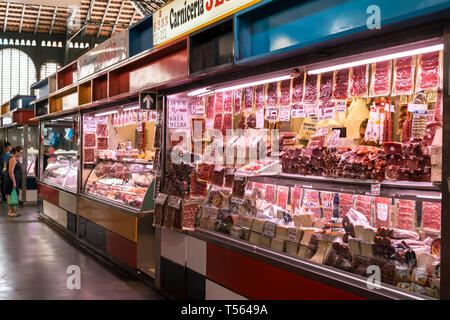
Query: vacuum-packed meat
{"x": 428, "y": 75}
{"x": 272, "y": 94}
{"x": 381, "y": 78}
{"x": 285, "y": 92}
{"x": 326, "y": 86}
{"x": 358, "y": 81}
{"x": 345, "y": 204}
{"x": 404, "y": 76}
{"x": 311, "y": 202}
{"x": 89, "y": 155}
{"x": 248, "y": 98}
{"x": 237, "y": 101}
{"x": 270, "y": 194}
{"x": 198, "y": 188}
{"x": 341, "y": 81}
{"x": 102, "y": 130}
{"x": 405, "y": 214}
{"x": 327, "y": 200}
{"x": 431, "y": 216}
{"x": 310, "y": 95}
{"x": 296, "y": 198}
{"x": 259, "y": 97}
{"x": 210, "y": 107}
{"x": 218, "y": 103}
{"x": 363, "y": 204}
{"x": 227, "y": 123}
{"x": 218, "y": 176}
{"x": 382, "y": 212}
{"x": 102, "y": 143}
{"x": 297, "y": 88}
{"x": 89, "y": 139}
{"x": 282, "y": 197}
{"x": 218, "y": 121}
{"x": 205, "y": 171}
{"x": 228, "y": 102}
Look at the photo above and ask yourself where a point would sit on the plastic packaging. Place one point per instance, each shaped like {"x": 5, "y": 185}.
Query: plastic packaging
{"x": 237, "y": 101}
{"x": 382, "y": 212}
{"x": 285, "y": 92}
{"x": 327, "y": 202}
{"x": 363, "y": 204}
{"x": 311, "y": 88}
{"x": 210, "y": 107}
{"x": 296, "y": 199}
{"x": 341, "y": 84}
{"x": 248, "y": 98}
{"x": 404, "y": 69}
{"x": 272, "y": 94}
{"x": 259, "y": 97}
{"x": 326, "y": 86}
{"x": 431, "y": 216}
{"x": 270, "y": 194}
{"x": 381, "y": 79}
{"x": 282, "y": 198}
{"x": 345, "y": 204}
{"x": 359, "y": 80}
{"x": 428, "y": 75}
{"x": 298, "y": 88}
{"x": 405, "y": 214}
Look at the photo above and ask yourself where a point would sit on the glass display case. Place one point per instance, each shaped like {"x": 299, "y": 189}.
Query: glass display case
{"x": 61, "y": 171}
{"x": 122, "y": 183}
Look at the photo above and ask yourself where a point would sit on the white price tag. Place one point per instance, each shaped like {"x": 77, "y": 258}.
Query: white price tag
{"x": 292, "y": 234}
{"x": 297, "y": 111}
{"x": 417, "y": 108}
{"x": 341, "y": 106}
{"x": 382, "y": 211}
{"x": 285, "y": 114}
{"x": 271, "y": 113}
{"x": 269, "y": 229}
{"x": 259, "y": 119}
{"x": 375, "y": 189}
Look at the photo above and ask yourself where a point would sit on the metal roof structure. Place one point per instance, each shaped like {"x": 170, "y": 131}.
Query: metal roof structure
{"x": 93, "y": 18}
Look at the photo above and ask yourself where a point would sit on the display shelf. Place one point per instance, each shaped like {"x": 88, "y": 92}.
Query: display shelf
{"x": 67, "y": 75}
{"x": 119, "y": 83}
{"x": 85, "y": 93}
{"x": 63, "y": 100}
{"x": 52, "y": 85}
{"x": 141, "y": 36}
{"x": 100, "y": 87}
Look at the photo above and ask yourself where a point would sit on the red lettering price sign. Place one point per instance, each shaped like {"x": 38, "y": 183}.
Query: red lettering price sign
{"x": 178, "y": 114}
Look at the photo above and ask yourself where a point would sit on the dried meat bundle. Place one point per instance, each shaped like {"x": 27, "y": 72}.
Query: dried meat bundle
{"x": 237, "y": 101}
{"x": 359, "y": 79}
{"x": 272, "y": 94}
{"x": 285, "y": 92}
{"x": 429, "y": 72}
{"x": 218, "y": 102}
{"x": 248, "y": 98}
{"x": 228, "y": 101}
{"x": 326, "y": 86}
{"x": 381, "y": 78}
{"x": 297, "y": 88}
{"x": 341, "y": 82}
{"x": 310, "y": 95}
{"x": 210, "y": 107}
{"x": 259, "y": 97}
{"x": 404, "y": 76}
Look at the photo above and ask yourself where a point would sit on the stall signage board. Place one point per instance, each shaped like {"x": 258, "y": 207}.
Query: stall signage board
{"x": 147, "y": 100}
{"x": 181, "y": 17}
{"x": 104, "y": 55}
{"x": 178, "y": 114}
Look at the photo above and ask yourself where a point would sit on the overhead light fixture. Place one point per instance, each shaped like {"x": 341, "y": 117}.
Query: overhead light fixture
{"x": 255, "y": 83}
{"x": 106, "y": 113}
{"x": 205, "y": 94}
{"x": 198, "y": 92}
{"x": 131, "y": 108}
{"x": 379, "y": 59}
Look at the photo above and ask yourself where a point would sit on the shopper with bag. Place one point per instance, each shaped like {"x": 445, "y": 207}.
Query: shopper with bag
{"x": 13, "y": 180}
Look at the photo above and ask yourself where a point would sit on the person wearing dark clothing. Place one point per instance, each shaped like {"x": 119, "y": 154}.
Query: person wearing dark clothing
{"x": 4, "y": 157}
{"x": 14, "y": 177}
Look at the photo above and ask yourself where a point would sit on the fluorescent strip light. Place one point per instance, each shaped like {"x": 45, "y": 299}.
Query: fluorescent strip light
{"x": 197, "y": 92}
{"x": 205, "y": 94}
{"x": 379, "y": 59}
{"x": 251, "y": 84}
{"x": 106, "y": 113}
{"x": 131, "y": 108}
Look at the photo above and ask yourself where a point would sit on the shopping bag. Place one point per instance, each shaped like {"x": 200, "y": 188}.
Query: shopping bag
{"x": 13, "y": 199}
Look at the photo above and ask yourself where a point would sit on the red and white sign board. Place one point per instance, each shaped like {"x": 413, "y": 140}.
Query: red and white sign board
{"x": 181, "y": 17}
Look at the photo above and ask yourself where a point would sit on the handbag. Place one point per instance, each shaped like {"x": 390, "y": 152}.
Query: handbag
{"x": 13, "y": 199}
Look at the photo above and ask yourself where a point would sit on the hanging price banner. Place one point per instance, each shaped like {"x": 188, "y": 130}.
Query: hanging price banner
{"x": 285, "y": 114}
{"x": 271, "y": 113}
{"x": 297, "y": 111}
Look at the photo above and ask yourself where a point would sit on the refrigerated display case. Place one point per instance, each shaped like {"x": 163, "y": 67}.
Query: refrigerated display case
{"x": 61, "y": 172}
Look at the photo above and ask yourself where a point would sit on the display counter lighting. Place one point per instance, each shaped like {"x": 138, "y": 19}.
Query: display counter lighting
{"x": 379, "y": 59}
{"x": 131, "y": 108}
{"x": 106, "y": 113}
{"x": 255, "y": 83}
{"x": 198, "y": 92}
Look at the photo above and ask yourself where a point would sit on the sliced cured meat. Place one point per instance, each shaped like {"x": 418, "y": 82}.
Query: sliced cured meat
{"x": 282, "y": 197}
{"x": 382, "y": 212}
{"x": 429, "y": 71}
{"x": 327, "y": 200}
{"x": 296, "y": 198}
{"x": 210, "y": 107}
{"x": 89, "y": 155}
{"x": 311, "y": 202}
{"x": 89, "y": 140}
{"x": 248, "y": 98}
{"x": 227, "y": 123}
{"x": 259, "y": 97}
{"x": 218, "y": 122}
{"x": 405, "y": 214}
{"x": 218, "y": 102}
{"x": 363, "y": 204}
{"x": 205, "y": 171}
{"x": 345, "y": 204}
{"x": 310, "y": 95}
{"x": 237, "y": 101}
{"x": 381, "y": 78}
{"x": 218, "y": 176}
{"x": 297, "y": 88}
{"x": 404, "y": 76}
{"x": 102, "y": 130}
{"x": 102, "y": 143}
{"x": 272, "y": 94}
{"x": 358, "y": 81}
{"x": 228, "y": 102}
{"x": 270, "y": 193}
{"x": 285, "y": 92}
{"x": 431, "y": 216}
{"x": 326, "y": 86}
{"x": 341, "y": 81}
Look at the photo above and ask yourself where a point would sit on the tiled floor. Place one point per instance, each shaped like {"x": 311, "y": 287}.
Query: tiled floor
{"x": 34, "y": 259}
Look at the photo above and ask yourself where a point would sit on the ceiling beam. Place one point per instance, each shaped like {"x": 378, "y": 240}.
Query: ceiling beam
{"x": 132, "y": 18}
{"x": 21, "y": 18}
{"x": 37, "y": 20}
{"x": 117, "y": 19}
{"x": 103, "y": 18}
{"x": 53, "y": 20}
{"x": 6, "y": 17}
{"x": 88, "y": 16}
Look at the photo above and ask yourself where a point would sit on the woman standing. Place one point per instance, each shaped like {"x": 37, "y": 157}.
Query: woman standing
{"x": 14, "y": 177}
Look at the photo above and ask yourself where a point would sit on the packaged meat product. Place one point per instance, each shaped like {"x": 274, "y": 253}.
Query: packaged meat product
{"x": 218, "y": 176}
{"x": 227, "y": 123}
{"x": 218, "y": 121}
{"x": 237, "y": 101}
{"x": 311, "y": 202}
{"x": 190, "y": 212}
{"x": 272, "y": 94}
{"x": 382, "y": 212}
{"x": 210, "y": 107}
{"x": 311, "y": 84}
{"x": 404, "y": 69}
{"x": 285, "y": 92}
{"x": 173, "y": 210}
{"x": 359, "y": 79}
{"x": 282, "y": 197}
{"x": 89, "y": 139}
{"x": 431, "y": 216}
{"x": 102, "y": 143}
{"x": 102, "y": 130}
{"x": 160, "y": 208}
{"x": 218, "y": 102}
{"x": 270, "y": 193}
{"x": 297, "y": 88}
{"x": 229, "y": 178}
{"x": 259, "y": 97}
{"x": 239, "y": 185}
{"x": 345, "y": 204}
{"x": 340, "y": 84}
{"x": 296, "y": 199}
{"x": 381, "y": 79}
{"x": 327, "y": 201}
{"x": 429, "y": 72}
{"x": 198, "y": 126}
{"x": 393, "y": 148}
{"x": 326, "y": 86}
{"x": 198, "y": 187}
{"x": 248, "y": 98}
{"x": 228, "y": 102}
{"x": 405, "y": 214}
{"x": 395, "y": 233}
{"x": 205, "y": 171}
{"x": 89, "y": 155}
{"x": 354, "y": 218}
{"x": 363, "y": 204}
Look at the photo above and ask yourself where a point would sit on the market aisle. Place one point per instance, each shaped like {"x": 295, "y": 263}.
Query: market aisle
{"x": 34, "y": 259}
